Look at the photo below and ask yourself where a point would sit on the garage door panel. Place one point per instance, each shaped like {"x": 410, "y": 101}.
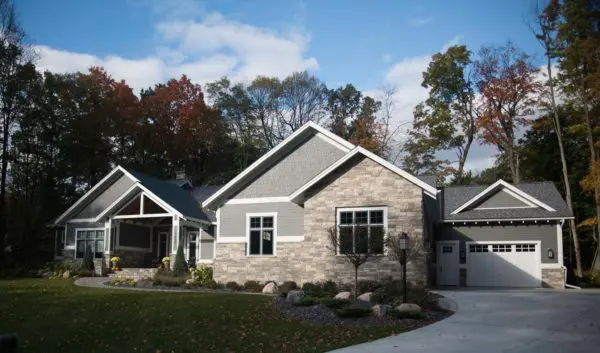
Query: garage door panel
{"x": 503, "y": 265}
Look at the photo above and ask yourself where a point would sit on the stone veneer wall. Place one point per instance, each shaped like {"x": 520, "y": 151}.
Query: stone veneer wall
{"x": 362, "y": 183}
{"x": 553, "y": 278}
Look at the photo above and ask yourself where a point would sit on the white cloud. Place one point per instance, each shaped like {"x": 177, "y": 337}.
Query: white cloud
{"x": 454, "y": 41}
{"x": 205, "y": 50}
{"x": 421, "y": 21}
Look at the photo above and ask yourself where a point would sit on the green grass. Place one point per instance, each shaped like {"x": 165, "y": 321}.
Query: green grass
{"x": 57, "y": 316}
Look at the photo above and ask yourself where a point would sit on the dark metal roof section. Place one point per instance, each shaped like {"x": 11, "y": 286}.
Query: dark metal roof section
{"x": 455, "y": 196}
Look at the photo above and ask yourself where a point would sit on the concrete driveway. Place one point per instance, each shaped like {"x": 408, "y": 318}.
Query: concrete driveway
{"x": 490, "y": 321}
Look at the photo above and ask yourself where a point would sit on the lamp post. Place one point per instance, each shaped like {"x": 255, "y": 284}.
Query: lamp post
{"x": 403, "y": 247}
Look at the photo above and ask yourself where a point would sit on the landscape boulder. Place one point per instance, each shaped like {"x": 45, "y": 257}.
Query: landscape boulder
{"x": 190, "y": 281}
{"x": 366, "y": 297}
{"x": 344, "y": 296}
{"x": 294, "y": 296}
{"x": 381, "y": 310}
{"x": 66, "y": 274}
{"x": 409, "y": 310}
{"x": 270, "y": 288}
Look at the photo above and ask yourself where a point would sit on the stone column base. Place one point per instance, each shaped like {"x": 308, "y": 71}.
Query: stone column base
{"x": 553, "y": 278}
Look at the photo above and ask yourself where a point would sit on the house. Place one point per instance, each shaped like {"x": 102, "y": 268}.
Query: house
{"x": 272, "y": 221}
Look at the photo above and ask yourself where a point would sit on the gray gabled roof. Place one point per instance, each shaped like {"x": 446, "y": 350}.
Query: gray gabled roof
{"x": 455, "y": 196}
{"x": 176, "y": 197}
{"x": 429, "y": 179}
{"x": 201, "y": 193}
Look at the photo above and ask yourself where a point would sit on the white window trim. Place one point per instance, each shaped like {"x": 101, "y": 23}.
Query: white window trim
{"x": 258, "y": 200}
{"x": 188, "y": 241}
{"x": 77, "y": 230}
{"x": 368, "y": 208}
{"x": 262, "y": 214}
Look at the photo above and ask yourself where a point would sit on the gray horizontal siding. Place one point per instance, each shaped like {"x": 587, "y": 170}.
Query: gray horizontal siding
{"x": 105, "y": 198}
{"x": 206, "y": 250}
{"x": 501, "y": 199}
{"x": 546, "y": 233}
{"x": 294, "y": 170}
{"x": 290, "y": 218}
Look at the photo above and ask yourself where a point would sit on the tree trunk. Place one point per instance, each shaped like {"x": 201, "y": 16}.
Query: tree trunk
{"x": 590, "y": 140}
{"x": 463, "y": 160}
{"x": 565, "y": 170}
{"x": 511, "y": 162}
{"x": 355, "y": 282}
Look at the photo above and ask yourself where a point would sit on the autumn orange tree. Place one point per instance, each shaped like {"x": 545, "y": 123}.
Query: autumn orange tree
{"x": 505, "y": 78}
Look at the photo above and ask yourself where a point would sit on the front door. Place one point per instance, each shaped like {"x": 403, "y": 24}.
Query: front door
{"x": 163, "y": 245}
{"x": 447, "y": 263}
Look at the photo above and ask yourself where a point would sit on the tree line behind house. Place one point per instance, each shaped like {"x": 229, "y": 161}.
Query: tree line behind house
{"x": 61, "y": 133}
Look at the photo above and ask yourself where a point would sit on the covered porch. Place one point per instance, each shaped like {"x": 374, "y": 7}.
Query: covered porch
{"x": 142, "y": 231}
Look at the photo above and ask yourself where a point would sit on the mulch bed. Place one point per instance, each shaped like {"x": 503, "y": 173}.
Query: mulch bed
{"x": 321, "y": 314}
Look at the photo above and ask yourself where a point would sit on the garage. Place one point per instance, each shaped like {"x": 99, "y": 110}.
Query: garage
{"x": 503, "y": 264}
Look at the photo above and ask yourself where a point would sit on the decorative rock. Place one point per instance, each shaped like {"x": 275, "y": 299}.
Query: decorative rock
{"x": 344, "y": 296}
{"x": 144, "y": 283}
{"x": 190, "y": 281}
{"x": 409, "y": 309}
{"x": 66, "y": 274}
{"x": 294, "y": 296}
{"x": 381, "y": 310}
{"x": 270, "y": 288}
{"x": 366, "y": 297}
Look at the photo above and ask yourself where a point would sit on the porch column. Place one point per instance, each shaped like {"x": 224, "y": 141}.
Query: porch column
{"x": 175, "y": 238}
{"x": 107, "y": 241}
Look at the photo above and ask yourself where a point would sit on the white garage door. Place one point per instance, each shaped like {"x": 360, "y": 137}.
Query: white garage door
{"x": 503, "y": 264}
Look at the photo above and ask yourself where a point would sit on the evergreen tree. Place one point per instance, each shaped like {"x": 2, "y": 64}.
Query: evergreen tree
{"x": 88, "y": 259}
{"x": 180, "y": 266}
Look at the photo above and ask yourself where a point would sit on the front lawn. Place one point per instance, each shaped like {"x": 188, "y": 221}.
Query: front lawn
{"x": 57, "y": 316}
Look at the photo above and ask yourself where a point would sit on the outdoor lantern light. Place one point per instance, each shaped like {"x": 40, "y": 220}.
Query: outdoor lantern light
{"x": 403, "y": 241}
{"x": 550, "y": 253}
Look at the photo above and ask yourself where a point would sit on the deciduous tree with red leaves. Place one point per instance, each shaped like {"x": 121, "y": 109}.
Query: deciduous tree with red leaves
{"x": 505, "y": 78}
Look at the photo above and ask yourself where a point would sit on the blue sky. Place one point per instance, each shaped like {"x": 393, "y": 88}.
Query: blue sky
{"x": 367, "y": 43}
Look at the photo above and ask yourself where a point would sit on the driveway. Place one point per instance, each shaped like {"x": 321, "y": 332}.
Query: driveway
{"x": 490, "y": 321}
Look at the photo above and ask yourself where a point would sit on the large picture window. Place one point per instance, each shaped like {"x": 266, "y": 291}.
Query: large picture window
{"x": 261, "y": 234}
{"x": 94, "y": 238}
{"x": 361, "y": 230}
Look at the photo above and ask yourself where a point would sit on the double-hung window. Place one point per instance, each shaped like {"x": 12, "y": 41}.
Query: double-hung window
{"x": 361, "y": 230}
{"x": 92, "y": 238}
{"x": 261, "y": 234}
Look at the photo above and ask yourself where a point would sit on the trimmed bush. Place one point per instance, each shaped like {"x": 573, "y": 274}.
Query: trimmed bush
{"x": 330, "y": 288}
{"x": 180, "y": 266}
{"x": 312, "y": 289}
{"x": 389, "y": 293}
{"x": 233, "y": 285}
{"x": 288, "y": 286}
{"x": 170, "y": 281}
{"x": 365, "y": 286}
{"x": 307, "y": 301}
{"x": 202, "y": 274}
{"x": 211, "y": 284}
{"x": 253, "y": 286}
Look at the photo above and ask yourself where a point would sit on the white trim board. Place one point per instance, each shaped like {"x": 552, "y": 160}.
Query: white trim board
{"x": 274, "y": 241}
{"x": 336, "y": 141}
{"x": 428, "y": 189}
{"x": 525, "y": 197}
{"x": 290, "y": 238}
{"x": 511, "y": 220}
{"x": 257, "y": 200}
{"x": 231, "y": 240}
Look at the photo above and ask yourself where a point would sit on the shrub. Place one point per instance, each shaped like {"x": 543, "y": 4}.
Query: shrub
{"x": 233, "y": 285}
{"x": 211, "y": 284}
{"x": 179, "y": 267}
{"x": 88, "y": 259}
{"x": 353, "y": 312}
{"x": 170, "y": 281}
{"x": 345, "y": 287}
{"x": 398, "y": 315}
{"x": 127, "y": 282}
{"x": 365, "y": 286}
{"x": 202, "y": 274}
{"x": 288, "y": 286}
{"x": 332, "y": 303}
{"x": 389, "y": 293}
{"x": 330, "y": 288}
{"x": 253, "y": 286}
{"x": 312, "y": 289}
{"x": 307, "y": 301}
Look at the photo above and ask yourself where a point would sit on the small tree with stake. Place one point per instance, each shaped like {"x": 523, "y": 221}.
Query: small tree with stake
{"x": 356, "y": 250}
{"x": 404, "y": 248}
{"x": 88, "y": 259}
